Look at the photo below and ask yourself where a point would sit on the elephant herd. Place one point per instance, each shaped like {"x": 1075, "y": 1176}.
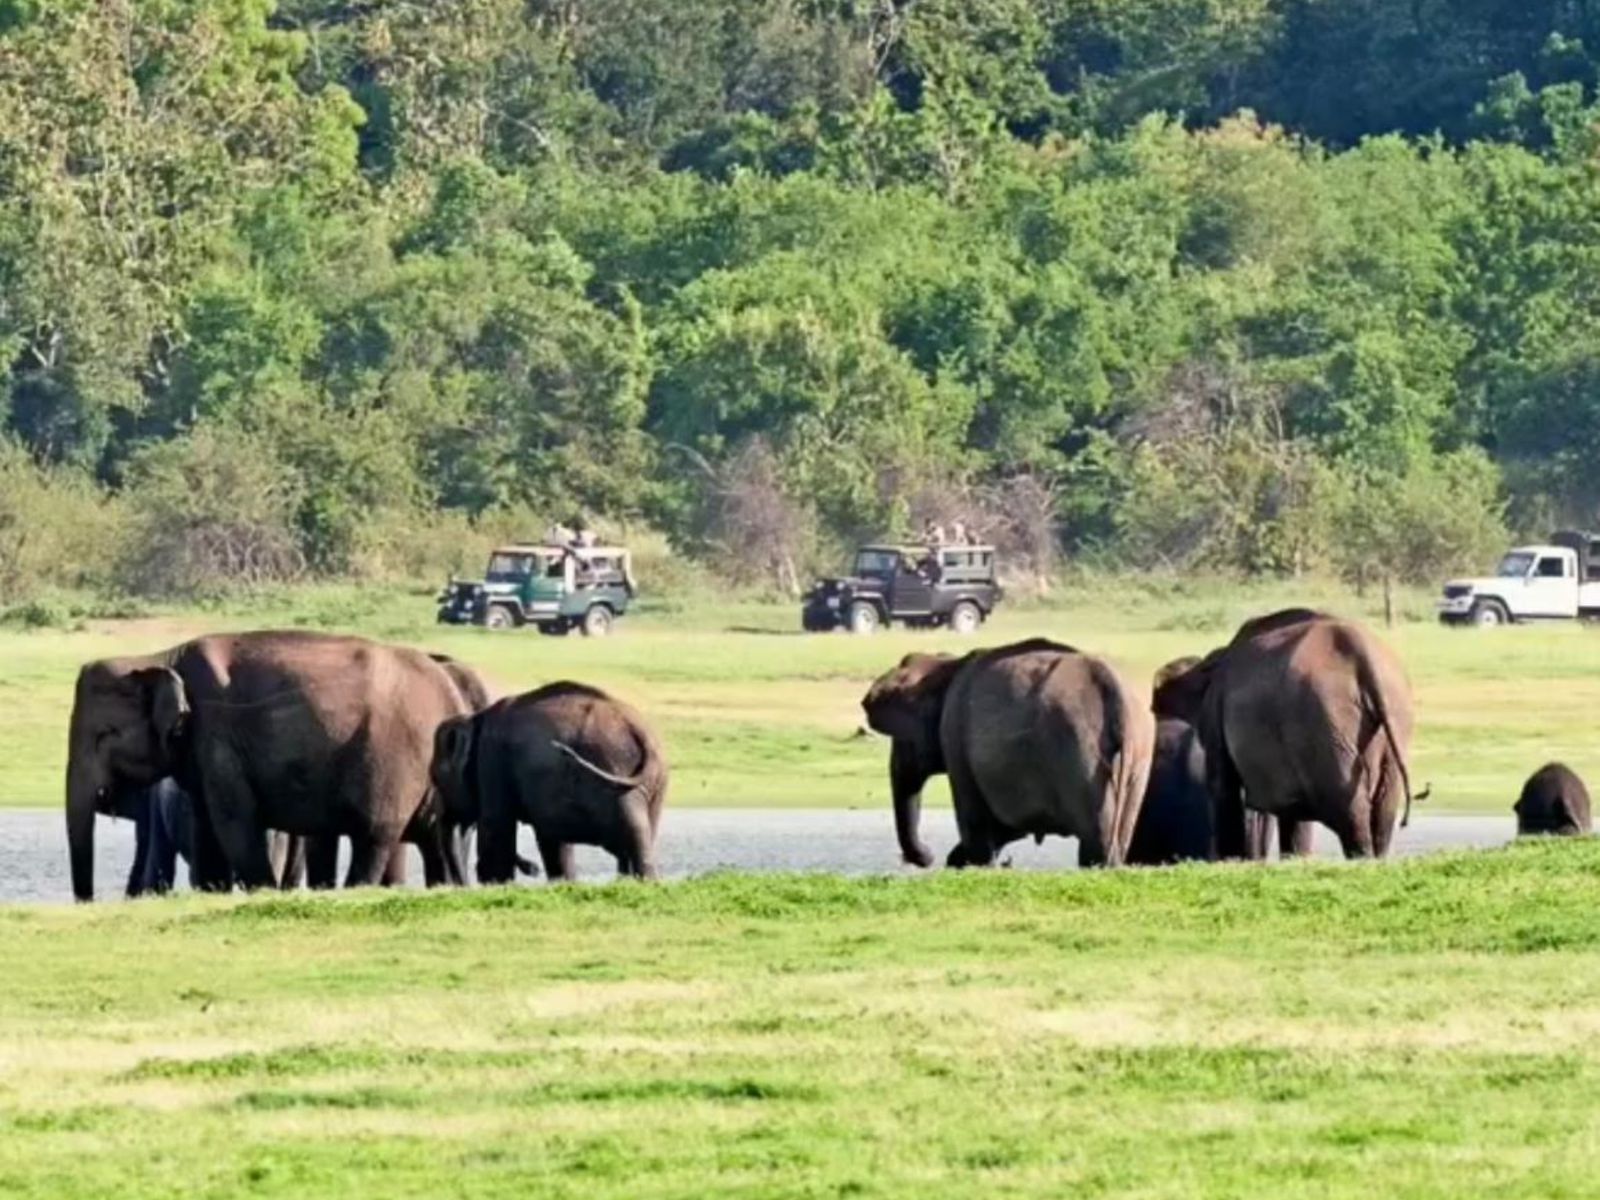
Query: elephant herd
{"x": 1300, "y": 719}
{"x": 251, "y": 755}
{"x": 255, "y": 753}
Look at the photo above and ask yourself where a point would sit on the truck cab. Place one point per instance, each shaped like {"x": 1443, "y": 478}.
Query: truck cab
{"x": 1554, "y": 581}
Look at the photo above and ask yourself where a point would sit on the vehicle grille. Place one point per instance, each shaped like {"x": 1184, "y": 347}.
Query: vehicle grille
{"x": 1457, "y": 590}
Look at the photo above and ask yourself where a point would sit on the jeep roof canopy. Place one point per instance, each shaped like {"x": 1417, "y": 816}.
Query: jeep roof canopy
{"x": 554, "y": 556}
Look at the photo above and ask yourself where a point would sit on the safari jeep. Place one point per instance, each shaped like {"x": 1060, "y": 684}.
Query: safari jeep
{"x": 556, "y": 588}
{"x": 920, "y": 586}
{"x": 1553, "y": 582}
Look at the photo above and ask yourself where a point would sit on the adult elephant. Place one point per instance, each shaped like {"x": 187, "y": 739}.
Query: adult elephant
{"x": 314, "y": 734}
{"x": 1036, "y": 739}
{"x": 578, "y": 765}
{"x": 1303, "y": 717}
{"x": 427, "y": 828}
{"x": 164, "y": 832}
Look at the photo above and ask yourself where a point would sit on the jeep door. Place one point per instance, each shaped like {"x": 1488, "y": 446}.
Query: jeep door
{"x": 911, "y": 593}
{"x": 1552, "y": 587}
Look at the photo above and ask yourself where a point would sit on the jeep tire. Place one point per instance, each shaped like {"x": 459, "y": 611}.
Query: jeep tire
{"x": 965, "y": 617}
{"x": 1489, "y": 614}
{"x": 863, "y": 618}
{"x": 499, "y": 616}
{"x": 597, "y": 621}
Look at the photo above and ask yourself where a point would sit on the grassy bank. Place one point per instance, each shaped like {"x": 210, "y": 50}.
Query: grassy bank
{"x": 755, "y": 714}
{"x": 1413, "y": 1029}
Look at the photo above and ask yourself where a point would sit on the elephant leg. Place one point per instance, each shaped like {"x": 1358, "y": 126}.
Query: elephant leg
{"x": 557, "y": 858}
{"x": 434, "y": 871}
{"x": 369, "y": 860}
{"x": 1355, "y": 832}
{"x": 1387, "y": 801}
{"x": 143, "y": 822}
{"x": 497, "y": 847}
{"x": 322, "y": 862}
{"x": 395, "y": 870}
{"x": 292, "y": 872}
{"x": 245, "y": 844}
{"x": 1091, "y": 852}
{"x": 1296, "y": 837}
{"x": 209, "y": 870}
{"x": 161, "y": 867}
{"x": 1259, "y": 828}
{"x": 639, "y": 843}
{"x": 974, "y": 824}
{"x": 1228, "y": 797}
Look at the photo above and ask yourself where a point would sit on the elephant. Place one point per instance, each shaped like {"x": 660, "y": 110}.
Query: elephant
{"x": 163, "y": 815}
{"x": 1176, "y": 821}
{"x": 1036, "y": 738}
{"x": 1302, "y": 717}
{"x": 318, "y": 735}
{"x": 1553, "y": 801}
{"x": 322, "y": 854}
{"x": 576, "y": 764}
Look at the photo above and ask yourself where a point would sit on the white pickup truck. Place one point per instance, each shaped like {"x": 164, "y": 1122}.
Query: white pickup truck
{"x": 1554, "y": 582}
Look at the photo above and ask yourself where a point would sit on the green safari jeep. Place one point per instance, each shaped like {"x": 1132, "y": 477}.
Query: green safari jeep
{"x": 556, "y": 588}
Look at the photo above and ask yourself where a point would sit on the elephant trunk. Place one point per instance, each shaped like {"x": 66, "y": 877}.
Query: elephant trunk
{"x": 905, "y": 782}
{"x": 83, "y": 789}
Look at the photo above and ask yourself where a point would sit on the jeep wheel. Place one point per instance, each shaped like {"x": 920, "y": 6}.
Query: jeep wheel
{"x": 1490, "y": 614}
{"x": 499, "y": 617}
{"x": 965, "y": 617}
{"x": 597, "y": 621}
{"x": 863, "y": 618}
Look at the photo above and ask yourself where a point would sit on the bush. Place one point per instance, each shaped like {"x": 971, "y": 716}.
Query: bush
{"x": 57, "y": 529}
{"x": 212, "y": 512}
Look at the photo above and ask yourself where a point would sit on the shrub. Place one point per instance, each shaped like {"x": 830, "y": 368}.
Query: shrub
{"x": 57, "y": 528}
{"x": 212, "y": 512}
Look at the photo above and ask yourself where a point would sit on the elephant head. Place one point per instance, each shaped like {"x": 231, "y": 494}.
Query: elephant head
{"x": 1181, "y": 687}
{"x": 906, "y": 704}
{"x": 129, "y": 720}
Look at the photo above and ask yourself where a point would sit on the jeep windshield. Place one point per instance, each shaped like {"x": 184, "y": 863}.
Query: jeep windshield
{"x": 877, "y": 563}
{"x": 1515, "y": 565}
{"x": 508, "y": 568}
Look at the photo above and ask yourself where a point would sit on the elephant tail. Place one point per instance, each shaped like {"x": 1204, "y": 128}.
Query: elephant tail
{"x": 624, "y": 783}
{"x": 1129, "y": 765}
{"x": 1374, "y": 697}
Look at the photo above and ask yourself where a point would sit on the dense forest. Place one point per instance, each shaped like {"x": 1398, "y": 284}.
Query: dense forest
{"x": 323, "y": 288}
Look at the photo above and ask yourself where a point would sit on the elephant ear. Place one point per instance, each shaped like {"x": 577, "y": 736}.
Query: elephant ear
{"x": 925, "y": 690}
{"x": 166, "y": 702}
{"x": 452, "y": 748}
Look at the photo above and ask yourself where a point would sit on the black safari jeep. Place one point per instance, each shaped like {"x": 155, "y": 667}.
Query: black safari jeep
{"x": 923, "y": 586}
{"x": 557, "y": 588}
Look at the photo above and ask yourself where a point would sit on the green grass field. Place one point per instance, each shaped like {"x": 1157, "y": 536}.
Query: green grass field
{"x": 755, "y": 714}
{"x": 1410, "y": 1029}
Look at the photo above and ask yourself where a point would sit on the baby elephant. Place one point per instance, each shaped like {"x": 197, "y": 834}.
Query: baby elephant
{"x": 1554, "y": 801}
{"x": 567, "y": 759}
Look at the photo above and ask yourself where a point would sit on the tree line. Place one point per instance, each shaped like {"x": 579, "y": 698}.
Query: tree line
{"x": 343, "y": 289}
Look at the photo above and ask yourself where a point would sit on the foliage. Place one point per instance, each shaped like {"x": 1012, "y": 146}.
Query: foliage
{"x": 439, "y": 262}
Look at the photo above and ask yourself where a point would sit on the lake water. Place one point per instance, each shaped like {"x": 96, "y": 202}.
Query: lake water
{"x": 33, "y": 845}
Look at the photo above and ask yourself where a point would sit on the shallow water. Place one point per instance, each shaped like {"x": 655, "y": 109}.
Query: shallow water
{"x": 33, "y": 845}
